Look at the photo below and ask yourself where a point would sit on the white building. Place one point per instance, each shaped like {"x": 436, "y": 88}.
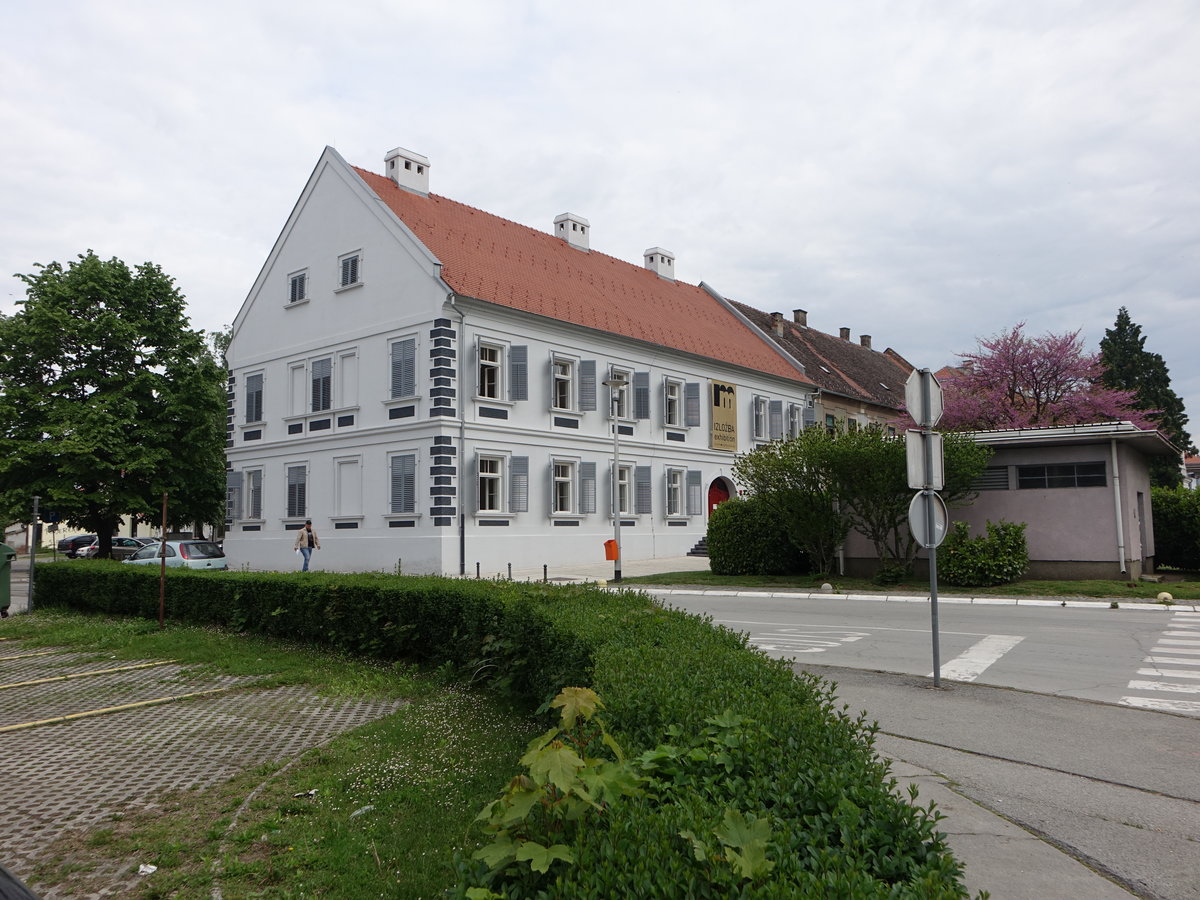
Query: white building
{"x": 425, "y": 382}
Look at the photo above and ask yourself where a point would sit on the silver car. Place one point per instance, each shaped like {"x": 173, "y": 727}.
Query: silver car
{"x": 182, "y": 554}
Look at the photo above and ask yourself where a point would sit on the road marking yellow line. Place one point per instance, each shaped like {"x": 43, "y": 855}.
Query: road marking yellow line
{"x": 148, "y": 665}
{"x": 35, "y": 653}
{"x": 57, "y": 720}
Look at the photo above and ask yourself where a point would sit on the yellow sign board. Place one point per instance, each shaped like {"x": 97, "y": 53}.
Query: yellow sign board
{"x": 724, "y": 417}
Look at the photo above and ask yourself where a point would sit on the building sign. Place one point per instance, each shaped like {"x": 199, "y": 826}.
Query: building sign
{"x": 724, "y": 417}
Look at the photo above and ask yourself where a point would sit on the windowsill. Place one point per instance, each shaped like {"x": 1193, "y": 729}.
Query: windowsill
{"x": 573, "y": 413}
{"x": 336, "y": 519}
{"x": 253, "y": 521}
{"x": 321, "y": 414}
{"x": 578, "y": 517}
{"x": 246, "y": 426}
{"x": 392, "y": 517}
{"x": 294, "y": 520}
{"x": 292, "y": 304}
{"x": 488, "y": 401}
{"x": 401, "y": 401}
{"x": 489, "y": 514}
{"x": 348, "y": 287}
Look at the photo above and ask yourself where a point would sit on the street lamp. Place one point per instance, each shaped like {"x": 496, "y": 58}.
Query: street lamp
{"x": 615, "y": 385}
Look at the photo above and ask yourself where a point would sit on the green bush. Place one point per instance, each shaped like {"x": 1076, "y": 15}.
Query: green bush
{"x": 1176, "y": 514}
{"x": 759, "y": 785}
{"x": 745, "y": 537}
{"x": 998, "y": 557}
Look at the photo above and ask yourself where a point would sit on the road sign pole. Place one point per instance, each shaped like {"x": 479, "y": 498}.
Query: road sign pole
{"x": 33, "y": 550}
{"x": 927, "y": 425}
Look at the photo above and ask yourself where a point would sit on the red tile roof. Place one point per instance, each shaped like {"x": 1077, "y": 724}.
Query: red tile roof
{"x": 492, "y": 259}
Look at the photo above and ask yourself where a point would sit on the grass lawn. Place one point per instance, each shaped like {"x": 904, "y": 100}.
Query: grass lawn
{"x": 378, "y": 812}
{"x": 1187, "y": 589}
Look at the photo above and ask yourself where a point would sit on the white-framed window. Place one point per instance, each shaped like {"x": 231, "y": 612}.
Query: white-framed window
{"x": 562, "y": 383}
{"x": 675, "y": 492}
{"x": 851, "y": 425}
{"x": 760, "y": 408}
{"x": 297, "y": 491}
{"x": 254, "y": 397}
{"x": 490, "y": 384}
{"x": 619, "y": 397}
{"x": 673, "y": 403}
{"x": 403, "y": 367}
{"x": 347, "y": 483}
{"x": 298, "y": 286}
{"x": 624, "y": 490}
{"x": 254, "y": 498}
{"x": 562, "y": 487}
{"x": 403, "y": 478}
{"x": 349, "y": 269}
{"x": 491, "y": 493}
{"x": 321, "y": 378}
{"x": 795, "y": 422}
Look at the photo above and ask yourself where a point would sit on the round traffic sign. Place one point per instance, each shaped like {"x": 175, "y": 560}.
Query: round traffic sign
{"x": 918, "y": 518}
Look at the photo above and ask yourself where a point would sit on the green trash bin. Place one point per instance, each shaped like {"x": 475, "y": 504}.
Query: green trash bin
{"x": 7, "y": 554}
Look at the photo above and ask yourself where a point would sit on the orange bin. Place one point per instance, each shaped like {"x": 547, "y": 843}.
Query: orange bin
{"x": 610, "y": 549}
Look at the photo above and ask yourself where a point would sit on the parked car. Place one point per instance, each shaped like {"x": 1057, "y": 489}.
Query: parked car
{"x": 72, "y": 545}
{"x": 182, "y": 554}
{"x": 122, "y": 547}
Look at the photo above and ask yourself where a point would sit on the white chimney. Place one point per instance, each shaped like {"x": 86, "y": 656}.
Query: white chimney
{"x": 409, "y": 170}
{"x": 573, "y": 229}
{"x": 661, "y": 262}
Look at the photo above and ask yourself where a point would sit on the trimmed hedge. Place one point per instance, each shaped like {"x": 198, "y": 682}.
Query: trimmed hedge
{"x": 998, "y": 557}
{"x": 745, "y": 537}
{"x": 836, "y": 827}
{"x": 1176, "y": 514}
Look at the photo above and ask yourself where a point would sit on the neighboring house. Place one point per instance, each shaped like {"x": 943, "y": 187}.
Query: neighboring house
{"x": 856, "y": 385}
{"x": 1083, "y": 492}
{"x": 1191, "y": 472}
{"x": 425, "y": 382}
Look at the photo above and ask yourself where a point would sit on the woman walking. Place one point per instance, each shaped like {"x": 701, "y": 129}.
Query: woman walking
{"x": 307, "y": 542}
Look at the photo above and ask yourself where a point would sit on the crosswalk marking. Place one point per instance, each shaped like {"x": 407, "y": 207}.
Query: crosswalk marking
{"x": 970, "y": 665}
{"x": 1171, "y": 660}
{"x": 1171, "y": 673}
{"x": 1178, "y": 645}
{"x": 1165, "y": 686}
{"x": 1191, "y": 707}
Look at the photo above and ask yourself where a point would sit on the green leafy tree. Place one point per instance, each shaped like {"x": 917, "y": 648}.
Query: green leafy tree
{"x": 1129, "y": 366}
{"x": 108, "y": 399}
{"x": 824, "y": 484}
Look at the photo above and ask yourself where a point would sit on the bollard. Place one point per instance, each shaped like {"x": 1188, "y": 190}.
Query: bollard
{"x": 477, "y": 571}
{"x": 545, "y": 572}
{"x": 510, "y": 571}
{"x": 400, "y": 566}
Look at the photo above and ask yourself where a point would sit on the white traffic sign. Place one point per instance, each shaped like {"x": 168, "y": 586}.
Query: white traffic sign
{"x": 923, "y": 398}
{"x": 916, "y": 444}
{"x": 918, "y": 519}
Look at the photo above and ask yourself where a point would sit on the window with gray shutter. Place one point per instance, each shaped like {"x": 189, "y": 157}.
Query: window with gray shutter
{"x": 254, "y": 398}
{"x": 587, "y": 487}
{"x": 587, "y": 385}
{"x": 691, "y": 404}
{"x": 233, "y": 495}
{"x": 641, "y": 395}
{"x": 404, "y": 484}
{"x": 643, "y": 503}
{"x": 254, "y": 494}
{"x": 349, "y": 270}
{"x": 775, "y": 420}
{"x": 404, "y": 367}
{"x": 297, "y": 491}
{"x": 322, "y": 384}
{"x": 518, "y": 373}
{"x": 519, "y": 484}
{"x": 695, "y": 504}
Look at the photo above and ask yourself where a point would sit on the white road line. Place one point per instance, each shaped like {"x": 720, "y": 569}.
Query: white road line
{"x": 1194, "y": 642}
{"x": 1164, "y": 686}
{"x": 1171, "y": 660}
{"x": 970, "y": 665}
{"x": 1171, "y": 673}
{"x": 1177, "y": 706}
{"x": 1194, "y": 635}
{"x": 1174, "y": 650}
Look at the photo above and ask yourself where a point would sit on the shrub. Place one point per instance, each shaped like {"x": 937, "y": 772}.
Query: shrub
{"x": 746, "y": 537}
{"x": 998, "y": 557}
{"x": 749, "y": 779}
{"x": 1176, "y": 513}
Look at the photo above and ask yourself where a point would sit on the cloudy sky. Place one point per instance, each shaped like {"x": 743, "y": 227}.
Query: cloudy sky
{"x": 924, "y": 172}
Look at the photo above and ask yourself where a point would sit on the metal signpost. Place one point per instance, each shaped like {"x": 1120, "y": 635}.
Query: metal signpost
{"x": 927, "y": 517}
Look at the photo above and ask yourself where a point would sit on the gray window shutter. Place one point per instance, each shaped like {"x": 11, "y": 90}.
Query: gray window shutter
{"x": 694, "y": 492}
{"x": 297, "y": 491}
{"x": 642, "y": 493}
{"x": 254, "y": 398}
{"x": 587, "y": 487}
{"x": 322, "y": 385}
{"x": 404, "y": 368}
{"x": 809, "y": 416}
{"x": 518, "y": 373}
{"x": 587, "y": 385}
{"x": 518, "y": 468}
{"x": 233, "y": 495}
{"x": 404, "y": 484}
{"x": 641, "y": 395}
{"x": 775, "y": 420}
{"x": 254, "y": 494}
{"x": 691, "y": 404}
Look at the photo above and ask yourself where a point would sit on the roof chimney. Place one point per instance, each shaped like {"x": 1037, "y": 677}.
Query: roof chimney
{"x": 777, "y": 324}
{"x": 409, "y": 170}
{"x": 845, "y": 333}
{"x": 573, "y": 229}
{"x": 661, "y": 262}
{"x": 800, "y": 317}
{"x": 865, "y": 340}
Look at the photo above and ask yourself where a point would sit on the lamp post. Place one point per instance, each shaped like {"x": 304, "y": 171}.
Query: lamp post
{"x": 615, "y": 385}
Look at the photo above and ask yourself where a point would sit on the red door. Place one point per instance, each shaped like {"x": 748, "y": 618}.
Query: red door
{"x": 717, "y": 494}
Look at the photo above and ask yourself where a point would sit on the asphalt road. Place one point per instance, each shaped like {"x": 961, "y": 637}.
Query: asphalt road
{"x": 1113, "y": 783}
